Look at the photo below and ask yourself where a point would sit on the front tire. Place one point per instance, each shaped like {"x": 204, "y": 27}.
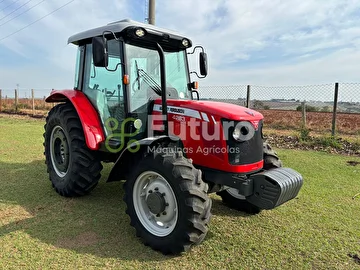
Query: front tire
{"x": 234, "y": 200}
{"x": 167, "y": 202}
{"x": 271, "y": 158}
{"x": 74, "y": 170}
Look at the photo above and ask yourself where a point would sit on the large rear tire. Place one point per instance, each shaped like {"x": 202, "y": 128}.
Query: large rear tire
{"x": 74, "y": 170}
{"x": 167, "y": 202}
{"x": 234, "y": 200}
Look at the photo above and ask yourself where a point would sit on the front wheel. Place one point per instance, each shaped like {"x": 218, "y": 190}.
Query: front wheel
{"x": 167, "y": 202}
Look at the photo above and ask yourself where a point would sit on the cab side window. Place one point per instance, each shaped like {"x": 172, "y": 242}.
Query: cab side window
{"x": 77, "y": 68}
{"x": 104, "y": 86}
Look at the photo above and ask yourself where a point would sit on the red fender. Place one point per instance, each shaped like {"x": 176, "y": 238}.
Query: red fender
{"x": 89, "y": 117}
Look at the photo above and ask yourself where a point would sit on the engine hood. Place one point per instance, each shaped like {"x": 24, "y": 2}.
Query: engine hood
{"x": 215, "y": 109}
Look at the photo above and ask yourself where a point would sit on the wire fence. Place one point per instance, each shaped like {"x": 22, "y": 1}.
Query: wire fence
{"x": 25, "y": 101}
{"x": 327, "y": 108}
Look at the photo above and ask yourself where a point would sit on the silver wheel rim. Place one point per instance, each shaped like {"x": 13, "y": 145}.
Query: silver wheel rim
{"x": 235, "y": 193}
{"x": 161, "y": 224}
{"x": 59, "y": 151}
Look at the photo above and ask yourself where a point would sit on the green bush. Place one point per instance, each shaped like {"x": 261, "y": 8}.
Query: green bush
{"x": 304, "y": 134}
{"x": 41, "y": 107}
{"x": 308, "y": 108}
{"x": 260, "y": 105}
{"x": 329, "y": 142}
{"x": 24, "y": 106}
{"x": 325, "y": 109}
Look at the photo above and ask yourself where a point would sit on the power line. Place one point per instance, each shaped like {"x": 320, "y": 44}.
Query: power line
{"x": 15, "y": 10}
{"x": 2, "y": 1}
{"x": 10, "y": 4}
{"x": 37, "y": 20}
{"x": 22, "y": 13}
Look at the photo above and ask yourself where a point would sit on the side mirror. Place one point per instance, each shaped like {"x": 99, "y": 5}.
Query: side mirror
{"x": 203, "y": 64}
{"x": 100, "y": 52}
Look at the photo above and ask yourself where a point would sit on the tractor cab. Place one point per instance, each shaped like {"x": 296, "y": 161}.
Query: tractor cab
{"x": 124, "y": 66}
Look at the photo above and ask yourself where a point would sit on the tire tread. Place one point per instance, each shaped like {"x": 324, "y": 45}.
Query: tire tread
{"x": 85, "y": 169}
{"x": 193, "y": 195}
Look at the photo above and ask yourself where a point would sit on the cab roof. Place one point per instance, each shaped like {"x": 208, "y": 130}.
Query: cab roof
{"x": 118, "y": 27}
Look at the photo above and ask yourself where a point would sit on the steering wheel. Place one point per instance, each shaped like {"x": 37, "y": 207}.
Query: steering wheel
{"x": 109, "y": 93}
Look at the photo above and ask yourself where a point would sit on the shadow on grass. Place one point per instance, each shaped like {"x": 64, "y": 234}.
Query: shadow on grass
{"x": 94, "y": 224}
{"x": 220, "y": 209}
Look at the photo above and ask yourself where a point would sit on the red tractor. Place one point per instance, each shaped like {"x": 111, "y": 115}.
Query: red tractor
{"x": 133, "y": 104}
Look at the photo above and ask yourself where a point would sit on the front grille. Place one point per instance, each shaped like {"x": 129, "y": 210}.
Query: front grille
{"x": 247, "y": 152}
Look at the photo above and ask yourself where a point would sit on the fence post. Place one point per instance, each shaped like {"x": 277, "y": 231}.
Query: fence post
{"x": 16, "y": 100}
{"x": 303, "y": 107}
{"x": 336, "y": 94}
{"x": 0, "y": 100}
{"x": 248, "y": 97}
{"x": 33, "y": 101}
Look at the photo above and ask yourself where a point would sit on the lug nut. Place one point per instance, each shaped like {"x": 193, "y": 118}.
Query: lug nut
{"x": 150, "y": 191}
{"x": 164, "y": 213}
{"x": 166, "y": 204}
{"x": 163, "y": 194}
{"x": 156, "y": 189}
{"x": 158, "y": 215}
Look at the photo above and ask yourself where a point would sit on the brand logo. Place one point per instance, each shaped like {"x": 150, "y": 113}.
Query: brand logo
{"x": 250, "y": 113}
{"x": 179, "y": 129}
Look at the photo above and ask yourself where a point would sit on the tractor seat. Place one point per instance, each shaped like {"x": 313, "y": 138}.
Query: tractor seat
{"x": 170, "y": 93}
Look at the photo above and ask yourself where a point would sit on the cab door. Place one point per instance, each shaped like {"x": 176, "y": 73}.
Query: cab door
{"x": 104, "y": 87}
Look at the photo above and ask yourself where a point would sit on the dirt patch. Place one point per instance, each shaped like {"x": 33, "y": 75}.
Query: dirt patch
{"x": 12, "y": 214}
{"x": 21, "y": 115}
{"x": 82, "y": 240}
{"x": 347, "y": 123}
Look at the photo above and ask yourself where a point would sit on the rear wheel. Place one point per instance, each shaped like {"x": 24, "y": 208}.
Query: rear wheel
{"x": 231, "y": 196}
{"x": 167, "y": 202}
{"x": 73, "y": 169}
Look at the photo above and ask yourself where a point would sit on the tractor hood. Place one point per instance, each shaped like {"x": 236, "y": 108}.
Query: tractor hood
{"x": 211, "y": 109}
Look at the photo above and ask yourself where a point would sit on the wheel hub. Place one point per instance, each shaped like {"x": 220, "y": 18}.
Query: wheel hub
{"x": 156, "y": 202}
{"x": 59, "y": 151}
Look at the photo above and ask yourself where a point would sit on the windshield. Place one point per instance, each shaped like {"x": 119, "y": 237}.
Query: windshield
{"x": 144, "y": 70}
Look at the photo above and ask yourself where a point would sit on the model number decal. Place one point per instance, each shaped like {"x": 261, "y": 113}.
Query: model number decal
{"x": 179, "y": 111}
{"x": 179, "y": 118}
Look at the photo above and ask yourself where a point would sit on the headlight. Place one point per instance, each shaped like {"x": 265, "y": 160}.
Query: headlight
{"x": 243, "y": 131}
{"x": 137, "y": 123}
{"x": 185, "y": 42}
{"x": 140, "y": 32}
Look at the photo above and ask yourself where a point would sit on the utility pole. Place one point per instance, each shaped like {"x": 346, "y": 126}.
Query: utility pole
{"x": 152, "y": 12}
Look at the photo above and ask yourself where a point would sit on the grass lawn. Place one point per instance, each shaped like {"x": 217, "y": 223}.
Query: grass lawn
{"x": 40, "y": 229}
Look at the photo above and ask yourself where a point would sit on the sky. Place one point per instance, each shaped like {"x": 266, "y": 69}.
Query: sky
{"x": 257, "y": 42}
